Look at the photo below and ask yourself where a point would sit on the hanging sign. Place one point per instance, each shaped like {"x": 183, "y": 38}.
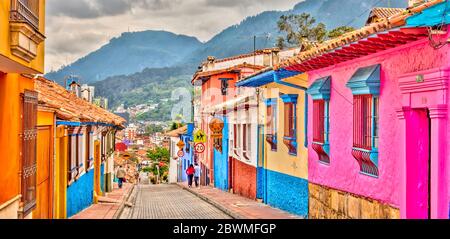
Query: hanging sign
{"x": 200, "y": 148}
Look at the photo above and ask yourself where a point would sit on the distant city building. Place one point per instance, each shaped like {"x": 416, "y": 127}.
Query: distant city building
{"x": 88, "y": 93}
{"x": 131, "y": 132}
{"x": 75, "y": 88}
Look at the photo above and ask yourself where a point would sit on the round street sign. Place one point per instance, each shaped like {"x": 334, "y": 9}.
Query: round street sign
{"x": 180, "y": 153}
{"x": 200, "y": 148}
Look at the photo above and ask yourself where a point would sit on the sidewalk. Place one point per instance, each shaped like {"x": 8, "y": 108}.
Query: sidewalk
{"x": 104, "y": 210}
{"x": 236, "y": 206}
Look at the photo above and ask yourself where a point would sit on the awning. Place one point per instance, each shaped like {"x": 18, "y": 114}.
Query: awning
{"x": 431, "y": 16}
{"x": 365, "y": 81}
{"x": 266, "y": 78}
{"x": 320, "y": 89}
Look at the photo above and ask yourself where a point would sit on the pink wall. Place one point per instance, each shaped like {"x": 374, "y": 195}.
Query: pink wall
{"x": 343, "y": 171}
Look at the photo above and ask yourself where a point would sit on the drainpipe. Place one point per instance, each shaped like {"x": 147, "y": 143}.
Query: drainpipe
{"x": 279, "y": 81}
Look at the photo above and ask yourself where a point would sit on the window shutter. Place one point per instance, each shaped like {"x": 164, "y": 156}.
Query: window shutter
{"x": 319, "y": 121}
{"x": 29, "y": 142}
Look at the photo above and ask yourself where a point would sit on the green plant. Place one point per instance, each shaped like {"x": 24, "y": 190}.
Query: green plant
{"x": 147, "y": 170}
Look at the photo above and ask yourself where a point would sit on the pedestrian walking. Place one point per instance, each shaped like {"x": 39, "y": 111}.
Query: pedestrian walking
{"x": 138, "y": 178}
{"x": 190, "y": 173}
{"x": 121, "y": 174}
{"x": 197, "y": 174}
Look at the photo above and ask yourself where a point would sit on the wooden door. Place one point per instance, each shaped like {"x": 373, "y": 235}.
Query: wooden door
{"x": 97, "y": 165}
{"x": 44, "y": 174}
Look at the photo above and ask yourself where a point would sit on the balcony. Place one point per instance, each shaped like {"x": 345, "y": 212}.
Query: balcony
{"x": 24, "y": 27}
{"x": 25, "y": 11}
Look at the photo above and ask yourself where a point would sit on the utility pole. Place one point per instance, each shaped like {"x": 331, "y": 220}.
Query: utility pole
{"x": 254, "y": 50}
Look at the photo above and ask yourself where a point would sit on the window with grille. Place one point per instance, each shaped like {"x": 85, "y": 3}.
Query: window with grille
{"x": 72, "y": 157}
{"x": 365, "y": 132}
{"x": 91, "y": 149}
{"x": 235, "y": 140}
{"x": 271, "y": 124}
{"x": 29, "y": 142}
{"x": 290, "y": 123}
{"x": 81, "y": 153}
{"x": 246, "y": 144}
{"x": 289, "y": 120}
{"x": 320, "y": 130}
{"x": 25, "y": 11}
{"x": 224, "y": 86}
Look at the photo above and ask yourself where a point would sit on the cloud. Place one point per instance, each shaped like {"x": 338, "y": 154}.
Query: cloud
{"x": 77, "y": 27}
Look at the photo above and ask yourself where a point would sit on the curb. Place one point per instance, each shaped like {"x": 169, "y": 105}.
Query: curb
{"x": 122, "y": 204}
{"x": 227, "y": 211}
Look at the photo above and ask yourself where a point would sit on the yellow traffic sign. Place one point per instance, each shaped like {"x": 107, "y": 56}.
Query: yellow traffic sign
{"x": 199, "y": 137}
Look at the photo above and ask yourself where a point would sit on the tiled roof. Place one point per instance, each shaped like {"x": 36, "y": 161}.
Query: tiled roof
{"x": 71, "y": 108}
{"x": 257, "y": 53}
{"x": 203, "y": 74}
{"x": 394, "y": 21}
{"x": 380, "y": 13}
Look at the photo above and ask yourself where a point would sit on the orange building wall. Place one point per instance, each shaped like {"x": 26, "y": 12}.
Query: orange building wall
{"x": 11, "y": 85}
{"x": 215, "y": 97}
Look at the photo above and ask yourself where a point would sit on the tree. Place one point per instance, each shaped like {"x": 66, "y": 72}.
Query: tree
{"x": 152, "y": 128}
{"x": 159, "y": 154}
{"x": 339, "y": 31}
{"x": 300, "y": 30}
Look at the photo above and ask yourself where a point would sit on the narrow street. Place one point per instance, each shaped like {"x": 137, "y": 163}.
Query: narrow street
{"x": 169, "y": 202}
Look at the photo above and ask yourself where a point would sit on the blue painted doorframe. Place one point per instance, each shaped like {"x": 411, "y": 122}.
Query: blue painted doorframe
{"x": 221, "y": 160}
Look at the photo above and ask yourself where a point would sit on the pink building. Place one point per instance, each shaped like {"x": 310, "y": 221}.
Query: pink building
{"x": 379, "y": 120}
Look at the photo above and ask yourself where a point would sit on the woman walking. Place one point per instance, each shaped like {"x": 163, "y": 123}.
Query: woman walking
{"x": 190, "y": 173}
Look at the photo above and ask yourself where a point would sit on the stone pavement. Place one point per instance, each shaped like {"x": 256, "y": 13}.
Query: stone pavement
{"x": 169, "y": 202}
{"x": 236, "y": 206}
{"x": 105, "y": 210}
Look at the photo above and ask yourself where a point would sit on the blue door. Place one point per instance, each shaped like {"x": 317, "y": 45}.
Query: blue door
{"x": 221, "y": 162}
{"x": 261, "y": 172}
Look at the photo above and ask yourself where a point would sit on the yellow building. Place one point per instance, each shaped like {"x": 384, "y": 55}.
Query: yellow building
{"x": 282, "y": 154}
{"x": 22, "y": 28}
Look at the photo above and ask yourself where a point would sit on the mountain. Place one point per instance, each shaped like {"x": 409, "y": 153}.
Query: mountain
{"x": 131, "y": 52}
{"x": 238, "y": 39}
{"x": 165, "y": 61}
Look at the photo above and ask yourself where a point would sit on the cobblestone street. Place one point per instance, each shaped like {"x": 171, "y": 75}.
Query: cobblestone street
{"x": 169, "y": 202}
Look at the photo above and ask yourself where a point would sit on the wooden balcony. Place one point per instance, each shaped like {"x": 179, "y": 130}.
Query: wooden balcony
{"x": 24, "y": 28}
{"x": 25, "y": 11}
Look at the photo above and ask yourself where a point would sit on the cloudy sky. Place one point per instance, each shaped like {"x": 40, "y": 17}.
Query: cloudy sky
{"x": 77, "y": 27}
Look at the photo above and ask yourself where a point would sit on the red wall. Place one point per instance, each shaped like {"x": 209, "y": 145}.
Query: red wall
{"x": 244, "y": 179}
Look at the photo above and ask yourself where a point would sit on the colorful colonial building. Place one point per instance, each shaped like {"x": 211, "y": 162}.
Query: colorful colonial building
{"x": 283, "y": 159}
{"x": 76, "y": 142}
{"x": 378, "y": 143}
{"x": 22, "y": 28}
{"x": 218, "y": 80}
